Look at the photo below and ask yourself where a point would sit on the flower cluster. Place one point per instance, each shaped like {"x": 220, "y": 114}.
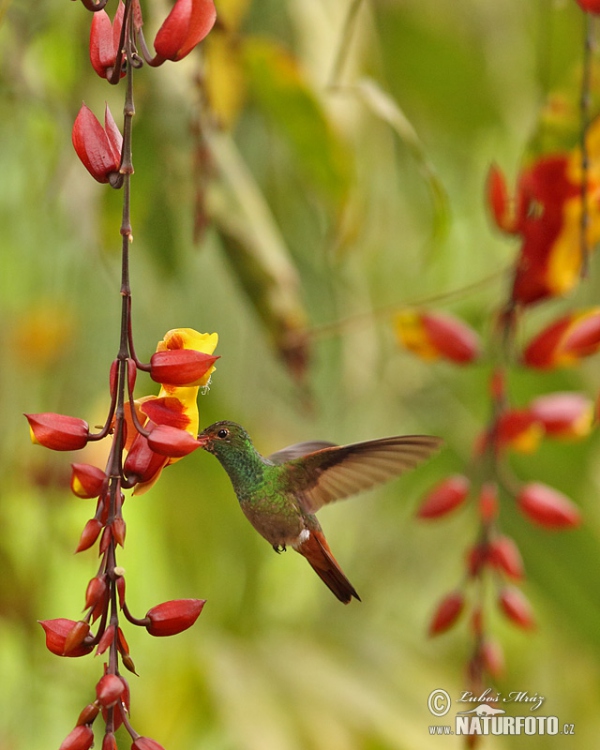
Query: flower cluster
{"x": 556, "y": 215}
{"x": 188, "y": 23}
{"x": 145, "y": 434}
{"x": 151, "y": 433}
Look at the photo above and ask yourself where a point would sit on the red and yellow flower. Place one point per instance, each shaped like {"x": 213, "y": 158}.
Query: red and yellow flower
{"x": 435, "y": 335}
{"x": 546, "y": 214}
{"x": 183, "y": 354}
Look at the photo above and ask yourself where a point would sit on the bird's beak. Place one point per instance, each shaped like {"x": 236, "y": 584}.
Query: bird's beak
{"x": 202, "y": 440}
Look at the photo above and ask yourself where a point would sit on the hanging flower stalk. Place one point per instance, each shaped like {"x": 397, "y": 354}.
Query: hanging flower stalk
{"x": 555, "y": 213}
{"x": 146, "y": 434}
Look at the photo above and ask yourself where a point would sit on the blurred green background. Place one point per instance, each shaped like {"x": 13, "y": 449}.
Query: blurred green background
{"x": 328, "y": 206}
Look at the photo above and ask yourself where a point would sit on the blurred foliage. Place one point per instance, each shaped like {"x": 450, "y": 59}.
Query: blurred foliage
{"x": 315, "y": 204}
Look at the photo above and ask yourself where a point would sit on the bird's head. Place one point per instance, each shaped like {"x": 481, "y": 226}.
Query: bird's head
{"x": 224, "y": 439}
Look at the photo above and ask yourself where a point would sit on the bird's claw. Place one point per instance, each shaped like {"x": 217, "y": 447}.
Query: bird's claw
{"x": 279, "y": 548}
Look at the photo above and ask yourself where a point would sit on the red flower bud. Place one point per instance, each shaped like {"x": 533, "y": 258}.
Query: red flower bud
{"x": 170, "y": 618}
{"x": 488, "y": 502}
{"x": 57, "y": 633}
{"x": 88, "y": 715}
{"x": 108, "y": 690}
{"x": 499, "y": 201}
{"x": 169, "y": 441}
{"x": 516, "y": 607}
{"x": 96, "y": 591}
{"x": 186, "y": 25}
{"x": 57, "y": 431}
{"x": 492, "y": 656}
{"x": 589, "y": 6}
{"x": 453, "y": 338}
{"x": 145, "y": 743}
{"x": 89, "y": 534}
{"x": 518, "y": 429}
{"x": 87, "y": 480}
{"x": 75, "y": 637}
{"x": 122, "y": 703}
{"x": 119, "y": 528}
{"x": 564, "y": 415}
{"x": 180, "y": 366}
{"x": 477, "y": 557}
{"x": 104, "y": 41}
{"x": 142, "y": 463}
{"x": 105, "y": 640}
{"x": 109, "y": 742}
{"x": 80, "y": 738}
{"x": 434, "y": 335}
{"x": 99, "y": 148}
{"x": 547, "y": 506}
{"x": 504, "y": 555}
{"x": 445, "y": 497}
{"x": 565, "y": 341}
{"x": 447, "y": 613}
{"x": 121, "y": 590}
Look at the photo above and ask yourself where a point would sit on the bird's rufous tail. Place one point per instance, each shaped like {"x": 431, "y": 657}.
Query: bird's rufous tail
{"x": 316, "y": 550}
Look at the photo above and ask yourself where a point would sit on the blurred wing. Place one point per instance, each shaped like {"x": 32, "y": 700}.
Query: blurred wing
{"x": 298, "y": 450}
{"x": 337, "y": 472}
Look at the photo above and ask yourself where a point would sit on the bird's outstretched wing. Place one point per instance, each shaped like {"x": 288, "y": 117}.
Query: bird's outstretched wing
{"x": 298, "y": 450}
{"x": 335, "y": 472}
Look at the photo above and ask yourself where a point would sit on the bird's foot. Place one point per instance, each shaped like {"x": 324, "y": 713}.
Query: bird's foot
{"x": 279, "y": 548}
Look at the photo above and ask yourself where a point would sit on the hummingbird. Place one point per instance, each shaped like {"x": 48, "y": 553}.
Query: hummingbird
{"x": 281, "y": 493}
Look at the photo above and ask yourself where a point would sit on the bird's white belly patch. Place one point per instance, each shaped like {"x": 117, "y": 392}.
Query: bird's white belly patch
{"x": 301, "y": 538}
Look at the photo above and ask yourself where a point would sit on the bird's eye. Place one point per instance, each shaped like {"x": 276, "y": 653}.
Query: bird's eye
{"x": 223, "y": 433}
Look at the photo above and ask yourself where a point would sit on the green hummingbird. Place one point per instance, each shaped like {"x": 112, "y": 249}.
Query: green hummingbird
{"x": 281, "y": 493}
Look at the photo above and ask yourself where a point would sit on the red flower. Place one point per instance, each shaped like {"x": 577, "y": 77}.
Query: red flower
{"x": 589, "y": 6}
{"x": 518, "y": 429}
{"x": 447, "y": 613}
{"x": 145, "y": 743}
{"x": 87, "y": 480}
{"x": 186, "y": 25}
{"x": 170, "y": 618}
{"x": 499, "y": 201}
{"x": 96, "y": 591}
{"x": 435, "y": 335}
{"x": 548, "y": 507}
{"x": 180, "y": 366}
{"x": 109, "y": 689}
{"x": 80, "y": 738}
{"x": 172, "y": 442}
{"x": 90, "y": 533}
{"x": 99, "y": 148}
{"x": 516, "y": 607}
{"x": 58, "y": 634}
{"x": 564, "y": 415}
{"x": 493, "y": 657}
{"x": 565, "y": 341}
{"x": 142, "y": 463}
{"x": 88, "y": 714}
{"x": 504, "y": 555}
{"x": 104, "y": 41}
{"x": 445, "y": 497}
{"x": 57, "y": 431}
